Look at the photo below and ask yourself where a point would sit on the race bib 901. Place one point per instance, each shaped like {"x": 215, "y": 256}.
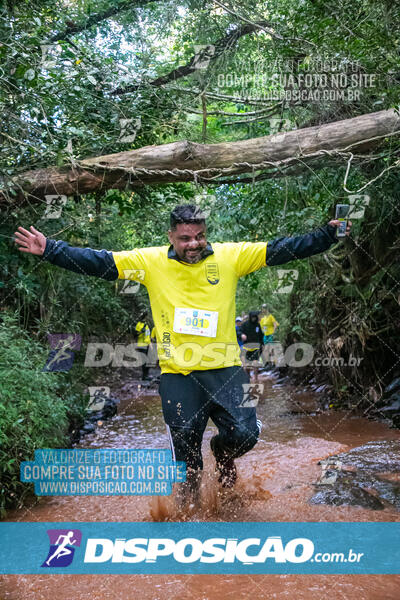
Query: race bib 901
{"x": 194, "y": 321}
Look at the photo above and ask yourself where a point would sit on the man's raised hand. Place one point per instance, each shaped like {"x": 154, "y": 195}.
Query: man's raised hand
{"x": 31, "y": 241}
{"x": 335, "y": 223}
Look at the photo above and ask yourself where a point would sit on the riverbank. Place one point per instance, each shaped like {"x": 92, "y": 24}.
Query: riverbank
{"x": 276, "y": 482}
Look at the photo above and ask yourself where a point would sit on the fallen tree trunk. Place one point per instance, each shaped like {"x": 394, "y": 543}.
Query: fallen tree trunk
{"x": 271, "y": 156}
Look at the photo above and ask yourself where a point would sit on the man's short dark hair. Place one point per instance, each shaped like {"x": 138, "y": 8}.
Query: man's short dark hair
{"x": 186, "y": 213}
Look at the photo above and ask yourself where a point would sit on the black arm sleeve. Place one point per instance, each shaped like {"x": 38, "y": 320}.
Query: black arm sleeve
{"x": 284, "y": 249}
{"x": 244, "y": 328}
{"x": 81, "y": 260}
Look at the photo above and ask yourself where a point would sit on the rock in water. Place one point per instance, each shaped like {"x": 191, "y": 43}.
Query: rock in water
{"x": 342, "y": 494}
{"x": 376, "y": 456}
{"x": 394, "y": 386}
{"x": 347, "y": 478}
{"x": 393, "y": 405}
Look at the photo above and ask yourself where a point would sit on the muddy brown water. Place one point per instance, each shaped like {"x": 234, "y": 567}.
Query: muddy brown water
{"x": 274, "y": 484}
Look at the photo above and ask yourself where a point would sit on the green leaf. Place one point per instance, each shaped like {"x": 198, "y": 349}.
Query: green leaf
{"x": 30, "y": 74}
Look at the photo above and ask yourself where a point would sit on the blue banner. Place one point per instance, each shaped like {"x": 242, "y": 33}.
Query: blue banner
{"x": 102, "y": 472}
{"x": 207, "y": 548}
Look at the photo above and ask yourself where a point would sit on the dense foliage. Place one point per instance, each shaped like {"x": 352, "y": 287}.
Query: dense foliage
{"x": 35, "y": 409}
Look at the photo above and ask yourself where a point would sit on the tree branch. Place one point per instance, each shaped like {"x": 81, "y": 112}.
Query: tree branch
{"x": 94, "y": 19}
{"x": 235, "y": 114}
{"x": 219, "y": 47}
{"x": 222, "y": 97}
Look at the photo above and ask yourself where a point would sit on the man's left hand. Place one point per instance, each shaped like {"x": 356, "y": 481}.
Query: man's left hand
{"x": 335, "y": 223}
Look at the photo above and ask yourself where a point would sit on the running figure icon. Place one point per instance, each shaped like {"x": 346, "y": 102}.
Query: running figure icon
{"x": 62, "y": 549}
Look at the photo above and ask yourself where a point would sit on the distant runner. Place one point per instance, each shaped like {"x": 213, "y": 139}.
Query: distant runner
{"x": 252, "y": 337}
{"x": 268, "y": 325}
{"x": 191, "y": 285}
{"x": 238, "y": 323}
{"x": 152, "y": 352}
{"x": 142, "y": 331}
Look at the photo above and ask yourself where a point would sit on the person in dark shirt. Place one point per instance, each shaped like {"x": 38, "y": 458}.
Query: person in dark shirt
{"x": 142, "y": 334}
{"x": 238, "y": 324}
{"x": 252, "y": 337}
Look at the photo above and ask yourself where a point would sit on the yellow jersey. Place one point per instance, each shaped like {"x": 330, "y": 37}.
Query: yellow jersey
{"x": 193, "y": 305}
{"x": 144, "y": 334}
{"x": 267, "y": 324}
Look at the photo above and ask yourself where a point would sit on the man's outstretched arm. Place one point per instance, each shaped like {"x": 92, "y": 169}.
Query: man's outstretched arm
{"x": 284, "y": 249}
{"x": 85, "y": 261}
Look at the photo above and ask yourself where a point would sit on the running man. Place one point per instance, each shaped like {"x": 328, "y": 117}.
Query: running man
{"x": 268, "y": 324}
{"x": 142, "y": 331}
{"x": 252, "y": 337}
{"x": 238, "y": 323}
{"x": 191, "y": 285}
{"x": 152, "y": 351}
{"x": 62, "y": 549}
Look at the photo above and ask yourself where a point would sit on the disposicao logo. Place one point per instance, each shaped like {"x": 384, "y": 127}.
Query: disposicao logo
{"x": 190, "y": 550}
{"x": 62, "y": 547}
